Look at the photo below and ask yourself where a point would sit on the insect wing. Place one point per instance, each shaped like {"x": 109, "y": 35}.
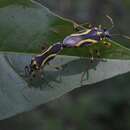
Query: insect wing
{"x": 71, "y": 41}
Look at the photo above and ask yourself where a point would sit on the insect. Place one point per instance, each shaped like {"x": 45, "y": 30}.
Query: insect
{"x": 38, "y": 62}
{"x": 89, "y": 37}
{"x": 84, "y": 38}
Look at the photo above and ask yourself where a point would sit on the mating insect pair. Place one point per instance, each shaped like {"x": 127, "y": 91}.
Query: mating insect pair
{"x": 84, "y": 38}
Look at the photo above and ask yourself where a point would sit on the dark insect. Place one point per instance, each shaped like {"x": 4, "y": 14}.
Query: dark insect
{"x": 89, "y": 37}
{"x": 38, "y": 62}
{"x": 84, "y": 38}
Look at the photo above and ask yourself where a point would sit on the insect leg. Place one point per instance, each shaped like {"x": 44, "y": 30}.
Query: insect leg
{"x": 82, "y": 77}
{"x": 41, "y": 73}
{"x": 77, "y": 27}
{"x": 26, "y": 70}
{"x": 87, "y": 25}
{"x": 91, "y": 53}
{"x": 100, "y": 26}
{"x": 97, "y": 53}
{"x": 107, "y": 44}
{"x": 84, "y": 73}
{"x": 84, "y": 26}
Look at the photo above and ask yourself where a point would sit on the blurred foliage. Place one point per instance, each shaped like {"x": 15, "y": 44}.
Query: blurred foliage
{"x": 127, "y": 3}
{"x": 26, "y": 29}
{"x": 103, "y": 106}
{"x": 4, "y": 3}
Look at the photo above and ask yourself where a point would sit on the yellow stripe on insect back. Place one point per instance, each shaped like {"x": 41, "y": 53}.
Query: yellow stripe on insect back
{"x": 45, "y": 60}
{"x": 86, "y": 40}
{"x": 83, "y": 33}
{"x": 45, "y": 51}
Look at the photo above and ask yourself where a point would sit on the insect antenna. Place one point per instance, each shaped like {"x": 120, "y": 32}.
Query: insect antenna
{"x": 112, "y": 26}
{"x": 26, "y": 69}
{"x": 111, "y": 21}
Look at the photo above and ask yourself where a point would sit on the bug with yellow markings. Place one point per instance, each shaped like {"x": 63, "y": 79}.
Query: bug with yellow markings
{"x": 91, "y": 36}
{"x": 87, "y": 37}
{"x": 39, "y": 61}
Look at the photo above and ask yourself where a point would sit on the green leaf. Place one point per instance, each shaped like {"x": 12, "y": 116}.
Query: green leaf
{"x": 19, "y": 94}
{"x": 24, "y": 27}
{"x": 4, "y": 3}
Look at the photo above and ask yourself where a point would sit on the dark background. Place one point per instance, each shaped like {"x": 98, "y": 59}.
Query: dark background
{"x": 103, "y": 106}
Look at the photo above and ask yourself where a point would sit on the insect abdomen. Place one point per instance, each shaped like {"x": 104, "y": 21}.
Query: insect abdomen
{"x": 48, "y": 54}
{"x": 82, "y": 39}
